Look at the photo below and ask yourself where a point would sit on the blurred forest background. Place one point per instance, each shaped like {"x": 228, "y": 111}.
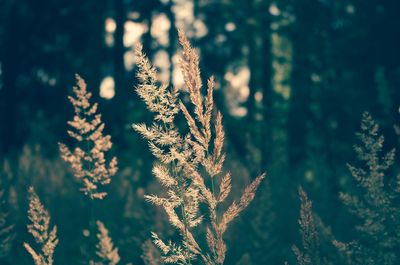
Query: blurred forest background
{"x": 293, "y": 78}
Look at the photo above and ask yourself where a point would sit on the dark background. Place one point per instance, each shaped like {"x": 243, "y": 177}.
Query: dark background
{"x": 293, "y": 78}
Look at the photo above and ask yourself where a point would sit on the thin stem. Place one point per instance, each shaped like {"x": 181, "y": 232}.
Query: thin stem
{"x": 181, "y": 193}
{"x": 183, "y": 211}
{"x": 212, "y": 186}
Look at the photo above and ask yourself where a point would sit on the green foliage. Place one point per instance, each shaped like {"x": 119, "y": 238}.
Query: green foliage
{"x": 287, "y": 83}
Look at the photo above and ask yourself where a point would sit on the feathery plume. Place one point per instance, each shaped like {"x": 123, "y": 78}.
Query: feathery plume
{"x": 88, "y": 159}
{"x": 39, "y": 227}
{"x": 181, "y": 158}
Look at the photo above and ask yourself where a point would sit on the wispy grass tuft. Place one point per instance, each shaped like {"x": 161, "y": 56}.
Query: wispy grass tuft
{"x": 375, "y": 202}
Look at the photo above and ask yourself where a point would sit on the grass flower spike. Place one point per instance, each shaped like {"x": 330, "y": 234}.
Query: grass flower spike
{"x": 88, "y": 159}
{"x": 39, "y": 227}
{"x": 189, "y": 166}
{"x": 106, "y": 251}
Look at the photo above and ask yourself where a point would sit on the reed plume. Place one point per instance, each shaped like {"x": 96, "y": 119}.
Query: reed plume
{"x": 189, "y": 165}
{"x": 88, "y": 160}
{"x": 39, "y": 228}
